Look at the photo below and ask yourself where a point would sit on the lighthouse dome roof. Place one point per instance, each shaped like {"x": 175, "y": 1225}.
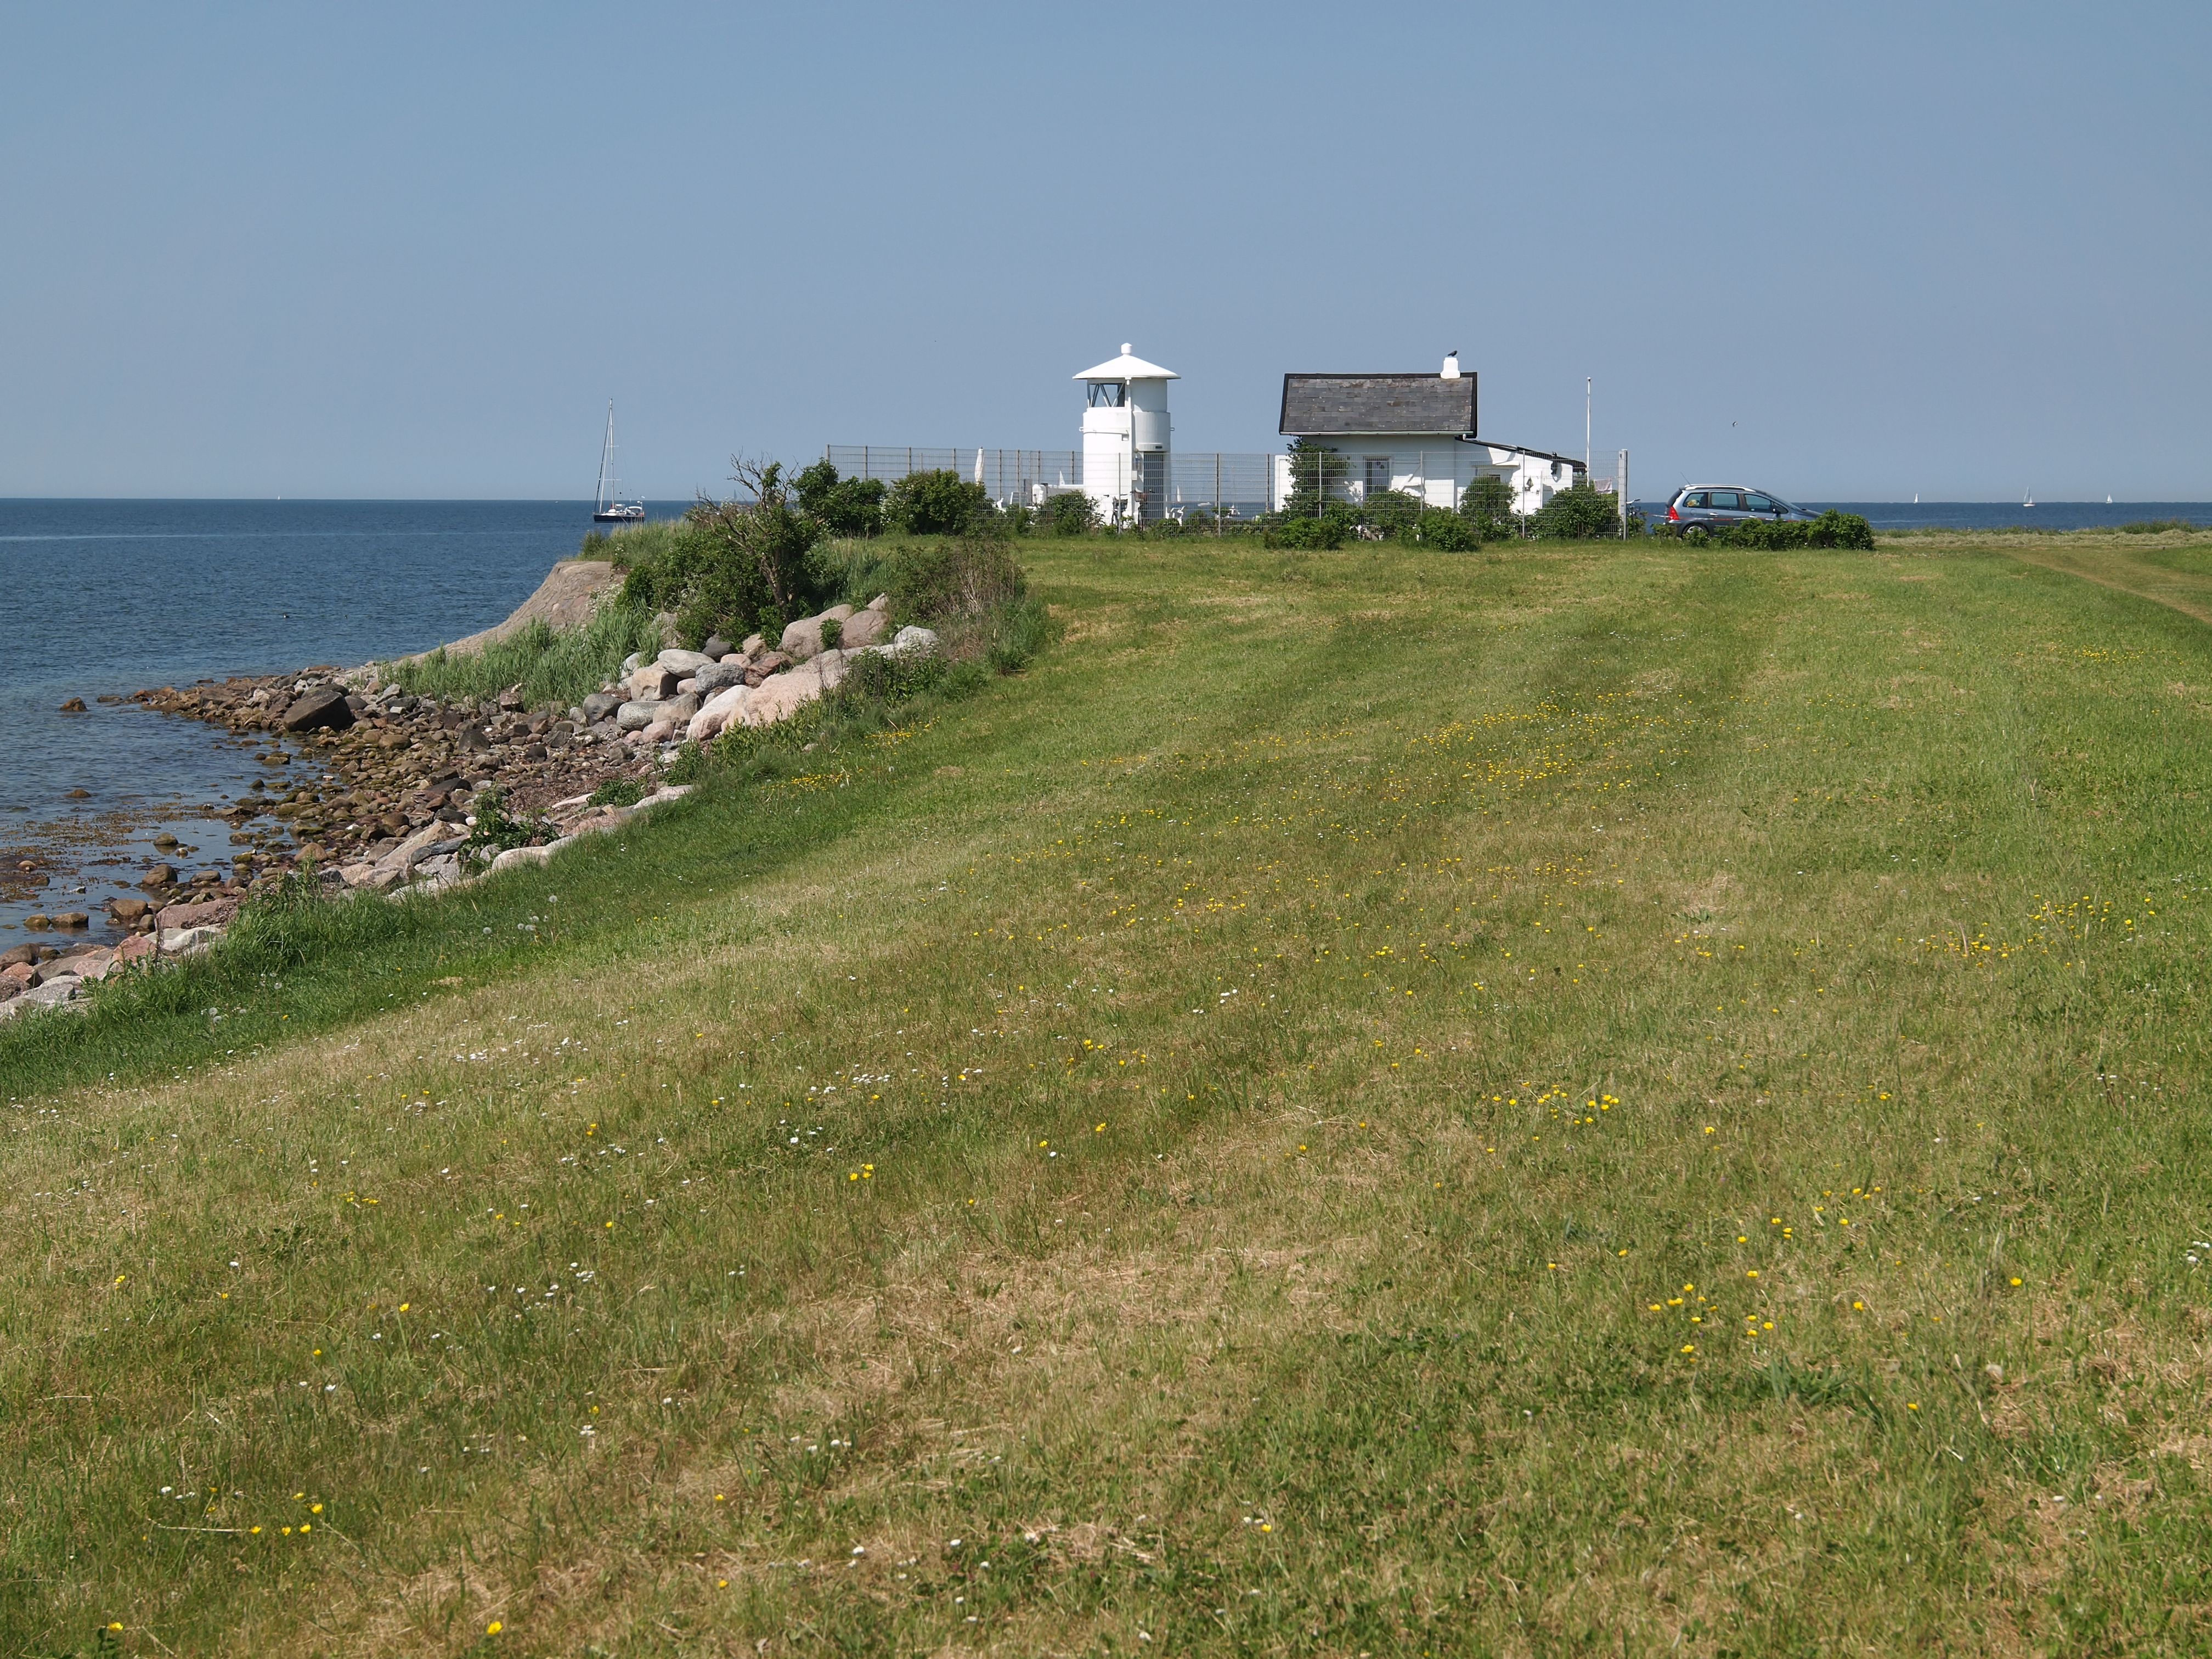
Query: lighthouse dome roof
{"x": 1127, "y": 368}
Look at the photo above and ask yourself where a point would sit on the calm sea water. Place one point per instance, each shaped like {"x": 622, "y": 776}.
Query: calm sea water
{"x": 105, "y": 597}
{"x": 2003, "y": 515}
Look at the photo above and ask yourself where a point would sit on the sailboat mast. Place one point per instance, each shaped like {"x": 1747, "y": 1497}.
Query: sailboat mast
{"x": 607, "y": 481}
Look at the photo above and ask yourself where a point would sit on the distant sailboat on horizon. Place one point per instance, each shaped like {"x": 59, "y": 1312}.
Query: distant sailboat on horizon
{"x": 608, "y": 506}
{"x": 2029, "y": 499}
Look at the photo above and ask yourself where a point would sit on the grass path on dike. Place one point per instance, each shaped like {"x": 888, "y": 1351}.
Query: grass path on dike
{"x": 1371, "y": 1104}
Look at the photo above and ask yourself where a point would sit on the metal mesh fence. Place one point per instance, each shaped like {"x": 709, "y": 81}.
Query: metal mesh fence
{"x": 1221, "y": 485}
{"x": 1236, "y": 486}
{"x": 1026, "y": 476}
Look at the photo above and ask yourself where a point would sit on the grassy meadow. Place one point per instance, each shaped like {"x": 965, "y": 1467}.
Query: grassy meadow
{"x": 1554, "y": 1100}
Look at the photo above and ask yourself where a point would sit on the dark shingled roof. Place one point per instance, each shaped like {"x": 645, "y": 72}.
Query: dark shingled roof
{"x": 1315, "y": 405}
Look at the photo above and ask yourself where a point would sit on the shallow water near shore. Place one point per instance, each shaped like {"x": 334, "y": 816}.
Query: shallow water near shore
{"x": 103, "y": 598}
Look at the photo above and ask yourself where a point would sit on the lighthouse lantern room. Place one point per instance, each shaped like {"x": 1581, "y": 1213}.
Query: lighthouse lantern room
{"x": 1126, "y": 438}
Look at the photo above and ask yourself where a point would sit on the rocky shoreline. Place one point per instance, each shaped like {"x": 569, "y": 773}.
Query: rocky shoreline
{"x": 375, "y": 790}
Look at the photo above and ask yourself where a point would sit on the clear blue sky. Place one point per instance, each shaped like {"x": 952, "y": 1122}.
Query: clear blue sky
{"x": 1843, "y": 252}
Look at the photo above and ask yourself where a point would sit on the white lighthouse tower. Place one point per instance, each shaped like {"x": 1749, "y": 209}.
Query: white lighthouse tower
{"x": 1126, "y": 438}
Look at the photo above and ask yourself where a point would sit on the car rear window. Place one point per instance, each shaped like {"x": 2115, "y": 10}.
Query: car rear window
{"x": 1695, "y": 498}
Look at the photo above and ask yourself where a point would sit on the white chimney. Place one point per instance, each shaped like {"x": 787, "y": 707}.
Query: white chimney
{"x": 1451, "y": 365}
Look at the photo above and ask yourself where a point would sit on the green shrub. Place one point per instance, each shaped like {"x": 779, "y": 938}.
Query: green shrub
{"x": 1072, "y": 513}
{"x": 937, "y": 503}
{"x": 833, "y": 633}
{"x": 1487, "y": 504}
{"x": 1831, "y": 529}
{"x": 842, "y": 506}
{"x": 2154, "y": 526}
{"x": 1390, "y": 513}
{"x": 618, "y": 791}
{"x": 1448, "y": 532}
{"x": 1577, "y": 512}
{"x": 734, "y": 566}
{"x": 1330, "y": 528}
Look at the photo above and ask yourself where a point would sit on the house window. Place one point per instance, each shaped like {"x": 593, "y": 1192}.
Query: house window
{"x": 1378, "y": 474}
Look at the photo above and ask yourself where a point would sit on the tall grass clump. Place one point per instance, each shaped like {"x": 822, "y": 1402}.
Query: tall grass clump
{"x": 629, "y": 546}
{"x": 558, "y": 667}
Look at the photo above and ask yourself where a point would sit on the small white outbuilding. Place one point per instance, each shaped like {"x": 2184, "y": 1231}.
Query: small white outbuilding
{"x": 1126, "y": 438}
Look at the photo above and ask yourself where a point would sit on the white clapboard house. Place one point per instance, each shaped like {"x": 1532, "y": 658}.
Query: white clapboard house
{"x": 1414, "y": 433}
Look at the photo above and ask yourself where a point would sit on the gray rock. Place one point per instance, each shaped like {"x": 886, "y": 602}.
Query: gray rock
{"x": 718, "y": 677}
{"x": 636, "y": 716}
{"x": 716, "y": 646}
{"x": 682, "y": 664}
{"x": 632, "y": 661}
{"x": 597, "y": 707}
{"x": 323, "y": 708}
{"x": 914, "y": 641}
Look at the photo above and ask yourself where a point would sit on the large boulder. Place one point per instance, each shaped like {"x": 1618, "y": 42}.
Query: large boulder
{"x": 324, "y": 706}
{"x": 716, "y": 676}
{"x": 199, "y": 912}
{"x": 716, "y": 646}
{"x": 601, "y": 704}
{"x": 863, "y": 628}
{"x": 803, "y": 639}
{"x": 636, "y": 716}
{"x": 776, "y": 699}
{"x": 914, "y": 641}
{"x": 684, "y": 664}
{"x": 724, "y": 709}
{"x": 651, "y": 683}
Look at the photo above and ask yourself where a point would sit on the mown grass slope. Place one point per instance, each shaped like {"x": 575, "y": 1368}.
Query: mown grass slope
{"x": 1629, "y": 1100}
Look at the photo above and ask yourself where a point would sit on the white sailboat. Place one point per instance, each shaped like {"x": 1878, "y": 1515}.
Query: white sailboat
{"x": 608, "y": 506}
{"x": 2028, "y": 498}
